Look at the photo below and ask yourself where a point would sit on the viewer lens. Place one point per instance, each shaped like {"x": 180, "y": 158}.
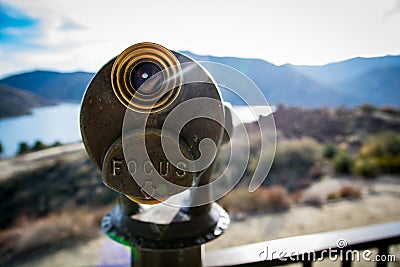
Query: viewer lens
{"x": 143, "y": 72}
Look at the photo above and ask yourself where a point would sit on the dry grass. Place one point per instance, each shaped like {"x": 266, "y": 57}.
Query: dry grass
{"x": 269, "y": 199}
{"x": 296, "y": 196}
{"x": 350, "y": 191}
{"x": 345, "y": 192}
{"x": 30, "y": 235}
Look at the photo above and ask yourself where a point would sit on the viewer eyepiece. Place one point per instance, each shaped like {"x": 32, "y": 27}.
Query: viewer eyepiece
{"x": 143, "y": 72}
{"x": 146, "y": 77}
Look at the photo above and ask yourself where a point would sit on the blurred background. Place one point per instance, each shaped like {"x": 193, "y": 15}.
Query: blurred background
{"x": 330, "y": 69}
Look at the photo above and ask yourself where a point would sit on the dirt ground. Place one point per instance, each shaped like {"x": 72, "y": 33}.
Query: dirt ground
{"x": 378, "y": 205}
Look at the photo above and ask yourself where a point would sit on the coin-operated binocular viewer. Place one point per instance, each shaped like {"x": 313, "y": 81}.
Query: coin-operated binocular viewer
{"x": 153, "y": 121}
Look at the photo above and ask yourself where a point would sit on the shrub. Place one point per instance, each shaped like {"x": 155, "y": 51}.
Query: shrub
{"x": 389, "y": 110}
{"x": 274, "y": 198}
{"x": 56, "y": 143}
{"x": 366, "y": 167}
{"x": 350, "y": 191}
{"x": 294, "y": 160}
{"x": 346, "y": 191}
{"x": 343, "y": 163}
{"x": 23, "y": 148}
{"x": 332, "y": 196}
{"x": 296, "y": 196}
{"x": 367, "y": 107}
{"x": 30, "y": 235}
{"x": 385, "y": 149}
{"x": 38, "y": 146}
{"x": 386, "y": 143}
{"x": 389, "y": 163}
{"x": 313, "y": 200}
{"x": 315, "y": 172}
{"x": 330, "y": 151}
{"x": 239, "y": 200}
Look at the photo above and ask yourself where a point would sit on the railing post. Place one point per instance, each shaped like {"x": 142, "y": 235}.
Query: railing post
{"x": 346, "y": 262}
{"x": 382, "y": 250}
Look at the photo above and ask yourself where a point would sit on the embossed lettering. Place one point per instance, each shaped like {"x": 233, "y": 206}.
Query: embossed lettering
{"x": 180, "y": 173}
{"x": 149, "y": 169}
{"x": 116, "y": 166}
{"x": 164, "y": 168}
{"x": 132, "y": 166}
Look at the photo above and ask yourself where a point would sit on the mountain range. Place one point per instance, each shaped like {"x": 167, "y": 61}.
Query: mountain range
{"x": 51, "y": 85}
{"x": 351, "y": 82}
{"x": 338, "y": 72}
{"x": 16, "y": 102}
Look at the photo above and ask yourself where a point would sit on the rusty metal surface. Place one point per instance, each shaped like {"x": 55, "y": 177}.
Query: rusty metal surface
{"x": 117, "y": 170}
{"x": 113, "y": 110}
{"x": 185, "y": 230}
{"x": 102, "y": 119}
{"x": 101, "y": 116}
{"x": 182, "y": 257}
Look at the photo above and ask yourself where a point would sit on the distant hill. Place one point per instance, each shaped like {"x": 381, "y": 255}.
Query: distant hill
{"x": 16, "y": 102}
{"x": 351, "y": 82}
{"x": 52, "y": 85}
{"x": 342, "y": 71}
{"x": 379, "y": 86}
{"x": 281, "y": 84}
{"x": 335, "y": 125}
{"x": 54, "y": 177}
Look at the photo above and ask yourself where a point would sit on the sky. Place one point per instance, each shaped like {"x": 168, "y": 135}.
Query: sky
{"x": 72, "y": 35}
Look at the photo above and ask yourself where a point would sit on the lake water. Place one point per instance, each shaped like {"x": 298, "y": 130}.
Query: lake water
{"x": 61, "y": 123}
{"x": 47, "y": 124}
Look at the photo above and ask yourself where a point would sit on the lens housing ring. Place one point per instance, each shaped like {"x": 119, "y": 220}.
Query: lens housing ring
{"x": 135, "y": 98}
